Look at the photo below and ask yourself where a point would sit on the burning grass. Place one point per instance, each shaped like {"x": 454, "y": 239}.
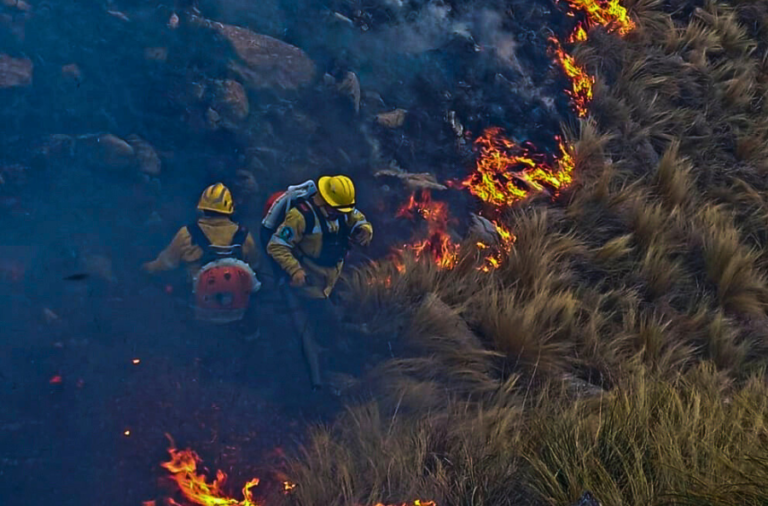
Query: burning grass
{"x": 619, "y": 344}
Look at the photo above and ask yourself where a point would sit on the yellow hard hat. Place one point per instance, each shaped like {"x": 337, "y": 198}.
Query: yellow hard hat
{"x": 338, "y": 192}
{"x": 218, "y": 198}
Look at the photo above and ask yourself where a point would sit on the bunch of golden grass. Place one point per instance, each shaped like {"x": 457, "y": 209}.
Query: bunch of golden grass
{"x": 457, "y": 456}
{"x": 655, "y": 262}
{"x": 691, "y": 439}
{"x": 652, "y": 442}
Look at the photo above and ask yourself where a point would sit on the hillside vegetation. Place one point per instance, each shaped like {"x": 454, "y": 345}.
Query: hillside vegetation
{"x": 621, "y": 346}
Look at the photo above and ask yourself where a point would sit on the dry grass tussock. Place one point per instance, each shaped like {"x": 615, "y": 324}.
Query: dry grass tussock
{"x": 694, "y": 439}
{"x": 646, "y": 280}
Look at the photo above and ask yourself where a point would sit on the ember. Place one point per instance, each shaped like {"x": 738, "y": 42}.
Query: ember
{"x": 438, "y": 244}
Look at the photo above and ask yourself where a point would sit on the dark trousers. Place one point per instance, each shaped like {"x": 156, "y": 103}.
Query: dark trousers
{"x": 314, "y": 319}
{"x": 316, "y": 325}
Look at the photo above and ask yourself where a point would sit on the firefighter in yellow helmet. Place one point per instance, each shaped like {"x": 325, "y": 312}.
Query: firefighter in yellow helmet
{"x": 310, "y": 246}
{"x": 312, "y": 241}
{"x": 212, "y": 238}
{"x": 216, "y": 208}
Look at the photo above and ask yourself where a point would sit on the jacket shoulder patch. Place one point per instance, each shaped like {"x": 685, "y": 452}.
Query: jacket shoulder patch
{"x": 285, "y": 233}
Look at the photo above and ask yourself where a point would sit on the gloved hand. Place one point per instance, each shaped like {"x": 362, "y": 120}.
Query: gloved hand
{"x": 299, "y": 279}
{"x": 364, "y": 236}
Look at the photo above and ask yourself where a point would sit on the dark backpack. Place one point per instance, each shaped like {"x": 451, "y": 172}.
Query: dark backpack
{"x": 335, "y": 245}
{"x": 212, "y": 253}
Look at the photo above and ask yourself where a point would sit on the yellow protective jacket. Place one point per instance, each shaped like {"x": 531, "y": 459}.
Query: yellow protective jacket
{"x": 294, "y": 248}
{"x": 218, "y": 230}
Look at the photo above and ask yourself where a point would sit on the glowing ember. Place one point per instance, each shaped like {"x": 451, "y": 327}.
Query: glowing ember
{"x": 56, "y": 380}
{"x": 136, "y": 361}
{"x": 608, "y": 13}
{"x": 288, "y": 487}
{"x": 438, "y": 245}
{"x": 126, "y": 433}
{"x": 195, "y": 487}
{"x": 581, "y": 81}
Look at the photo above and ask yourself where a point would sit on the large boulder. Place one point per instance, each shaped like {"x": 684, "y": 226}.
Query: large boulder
{"x": 230, "y": 102}
{"x": 264, "y": 62}
{"x": 106, "y": 151}
{"x": 15, "y": 71}
{"x": 149, "y": 161}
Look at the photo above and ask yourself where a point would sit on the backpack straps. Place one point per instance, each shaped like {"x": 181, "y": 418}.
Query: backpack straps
{"x": 306, "y": 211}
{"x": 198, "y": 237}
{"x": 234, "y": 249}
{"x": 240, "y": 236}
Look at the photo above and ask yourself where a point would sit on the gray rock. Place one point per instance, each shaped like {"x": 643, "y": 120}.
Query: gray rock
{"x": 265, "y": 62}
{"x": 149, "y": 161}
{"x": 15, "y": 71}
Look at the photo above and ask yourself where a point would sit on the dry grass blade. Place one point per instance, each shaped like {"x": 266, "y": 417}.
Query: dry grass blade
{"x": 741, "y": 287}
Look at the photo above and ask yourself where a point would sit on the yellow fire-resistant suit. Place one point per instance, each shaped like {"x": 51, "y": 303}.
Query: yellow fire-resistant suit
{"x": 294, "y": 248}
{"x": 219, "y": 230}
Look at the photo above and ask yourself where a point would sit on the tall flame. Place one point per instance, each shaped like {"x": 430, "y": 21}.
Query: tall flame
{"x": 581, "y": 81}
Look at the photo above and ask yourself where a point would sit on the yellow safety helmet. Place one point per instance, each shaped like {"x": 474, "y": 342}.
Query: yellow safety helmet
{"x": 338, "y": 192}
{"x": 218, "y": 198}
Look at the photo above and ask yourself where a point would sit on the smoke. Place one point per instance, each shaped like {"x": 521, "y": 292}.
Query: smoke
{"x": 432, "y": 28}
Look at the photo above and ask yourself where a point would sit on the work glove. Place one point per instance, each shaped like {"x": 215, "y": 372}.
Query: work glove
{"x": 364, "y": 236}
{"x": 299, "y": 279}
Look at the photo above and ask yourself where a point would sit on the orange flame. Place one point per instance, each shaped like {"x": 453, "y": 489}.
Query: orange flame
{"x": 581, "y": 81}
{"x": 579, "y": 34}
{"x": 608, "y": 13}
{"x": 495, "y": 254}
{"x": 195, "y": 487}
{"x": 438, "y": 244}
{"x": 507, "y": 172}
